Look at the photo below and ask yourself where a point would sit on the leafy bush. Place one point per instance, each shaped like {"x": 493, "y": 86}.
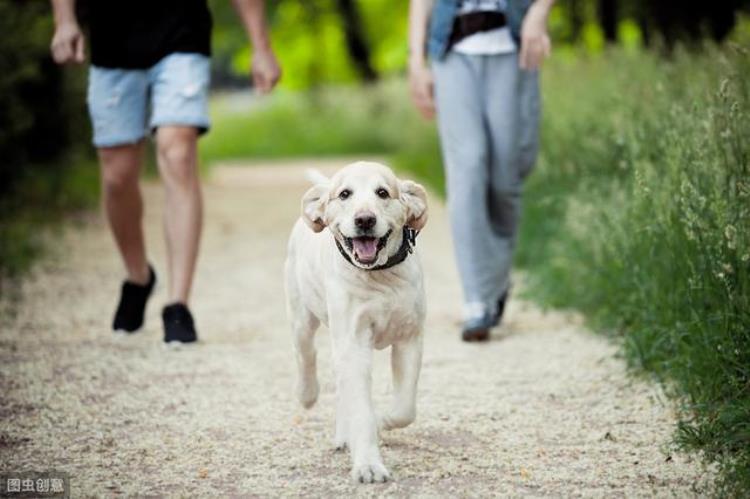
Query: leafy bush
{"x": 42, "y": 106}
{"x": 42, "y": 120}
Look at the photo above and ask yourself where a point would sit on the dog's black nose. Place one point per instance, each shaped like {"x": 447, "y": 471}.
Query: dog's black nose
{"x": 365, "y": 222}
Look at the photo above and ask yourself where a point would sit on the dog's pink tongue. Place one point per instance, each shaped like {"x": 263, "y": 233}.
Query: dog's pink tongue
{"x": 365, "y": 248}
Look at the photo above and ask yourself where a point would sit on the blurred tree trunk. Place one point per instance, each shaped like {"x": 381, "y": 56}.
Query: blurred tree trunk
{"x": 643, "y": 22}
{"x": 722, "y": 21}
{"x": 608, "y": 19}
{"x": 691, "y": 20}
{"x": 575, "y": 18}
{"x": 314, "y": 70}
{"x": 356, "y": 42}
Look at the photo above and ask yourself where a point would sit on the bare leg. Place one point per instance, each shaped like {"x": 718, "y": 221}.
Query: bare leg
{"x": 406, "y": 361}
{"x": 123, "y": 205}
{"x": 183, "y": 216}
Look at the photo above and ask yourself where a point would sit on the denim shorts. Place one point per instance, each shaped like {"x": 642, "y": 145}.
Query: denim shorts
{"x": 126, "y": 104}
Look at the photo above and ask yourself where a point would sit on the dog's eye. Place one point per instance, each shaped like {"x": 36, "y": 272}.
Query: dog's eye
{"x": 345, "y": 194}
{"x": 382, "y": 193}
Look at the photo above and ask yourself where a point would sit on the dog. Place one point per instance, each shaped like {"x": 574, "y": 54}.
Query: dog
{"x": 362, "y": 279}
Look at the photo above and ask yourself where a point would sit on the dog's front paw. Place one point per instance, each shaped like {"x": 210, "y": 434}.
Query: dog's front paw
{"x": 370, "y": 473}
{"x": 307, "y": 392}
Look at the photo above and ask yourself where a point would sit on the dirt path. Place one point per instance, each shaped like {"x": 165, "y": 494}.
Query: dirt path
{"x": 544, "y": 410}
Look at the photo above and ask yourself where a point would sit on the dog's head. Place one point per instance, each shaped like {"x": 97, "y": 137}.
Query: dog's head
{"x": 365, "y": 206}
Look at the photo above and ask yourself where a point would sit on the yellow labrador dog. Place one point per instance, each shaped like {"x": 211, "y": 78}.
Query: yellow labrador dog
{"x": 361, "y": 280}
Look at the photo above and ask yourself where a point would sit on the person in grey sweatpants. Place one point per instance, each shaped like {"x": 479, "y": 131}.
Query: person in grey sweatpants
{"x": 486, "y": 93}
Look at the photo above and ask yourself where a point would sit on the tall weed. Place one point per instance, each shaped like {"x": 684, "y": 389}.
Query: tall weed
{"x": 639, "y": 215}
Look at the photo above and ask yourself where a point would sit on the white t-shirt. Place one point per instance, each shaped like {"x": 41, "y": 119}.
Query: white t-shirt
{"x": 496, "y": 41}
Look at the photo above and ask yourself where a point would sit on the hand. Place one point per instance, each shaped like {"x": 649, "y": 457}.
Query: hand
{"x": 422, "y": 89}
{"x": 535, "y": 42}
{"x": 265, "y": 71}
{"x": 68, "y": 44}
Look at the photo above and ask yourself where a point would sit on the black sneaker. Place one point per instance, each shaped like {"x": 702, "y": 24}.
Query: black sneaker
{"x": 133, "y": 299}
{"x": 178, "y": 324}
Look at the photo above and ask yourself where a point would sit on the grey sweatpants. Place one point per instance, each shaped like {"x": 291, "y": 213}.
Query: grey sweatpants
{"x": 488, "y": 120}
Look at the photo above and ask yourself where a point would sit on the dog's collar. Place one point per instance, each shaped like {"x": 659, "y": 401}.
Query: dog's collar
{"x": 408, "y": 242}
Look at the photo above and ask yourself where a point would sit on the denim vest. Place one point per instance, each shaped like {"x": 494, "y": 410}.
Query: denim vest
{"x": 441, "y": 23}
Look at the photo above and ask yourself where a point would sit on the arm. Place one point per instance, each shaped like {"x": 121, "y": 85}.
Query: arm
{"x": 68, "y": 44}
{"x": 420, "y": 75}
{"x": 265, "y": 70}
{"x": 535, "y": 42}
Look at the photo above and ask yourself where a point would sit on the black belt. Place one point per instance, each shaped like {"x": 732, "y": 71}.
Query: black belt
{"x": 475, "y": 22}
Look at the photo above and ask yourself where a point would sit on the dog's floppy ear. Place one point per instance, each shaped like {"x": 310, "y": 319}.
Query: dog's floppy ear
{"x": 414, "y": 198}
{"x": 314, "y": 206}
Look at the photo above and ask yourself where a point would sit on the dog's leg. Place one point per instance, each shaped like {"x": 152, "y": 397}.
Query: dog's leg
{"x": 353, "y": 381}
{"x": 305, "y": 324}
{"x": 406, "y": 362}
{"x": 341, "y": 436}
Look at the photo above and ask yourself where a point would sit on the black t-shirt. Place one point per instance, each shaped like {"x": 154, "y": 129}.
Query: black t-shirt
{"x": 136, "y": 34}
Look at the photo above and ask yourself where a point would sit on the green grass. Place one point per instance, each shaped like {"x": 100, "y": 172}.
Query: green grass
{"x": 327, "y": 122}
{"x": 638, "y": 213}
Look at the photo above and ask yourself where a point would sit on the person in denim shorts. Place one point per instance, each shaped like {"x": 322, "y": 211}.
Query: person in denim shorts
{"x": 149, "y": 75}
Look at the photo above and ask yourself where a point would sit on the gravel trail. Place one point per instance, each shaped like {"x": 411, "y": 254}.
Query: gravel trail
{"x": 545, "y": 409}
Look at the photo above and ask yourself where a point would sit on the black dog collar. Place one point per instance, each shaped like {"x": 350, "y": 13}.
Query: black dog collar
{"x": 407, "y": 246}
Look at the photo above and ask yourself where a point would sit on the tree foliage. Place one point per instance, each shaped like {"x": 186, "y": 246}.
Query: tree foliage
{"x": 339, "y": 41}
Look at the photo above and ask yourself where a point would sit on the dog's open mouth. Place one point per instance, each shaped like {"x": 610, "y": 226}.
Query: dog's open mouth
{"x": 365, "y": 249}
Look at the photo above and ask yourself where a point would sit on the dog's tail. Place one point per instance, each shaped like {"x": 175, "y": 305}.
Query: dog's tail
{"x": 315, "y": 176}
